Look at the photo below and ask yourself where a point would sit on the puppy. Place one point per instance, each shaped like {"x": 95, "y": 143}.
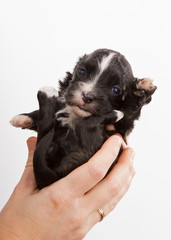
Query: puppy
{"x": 71, "y": 123}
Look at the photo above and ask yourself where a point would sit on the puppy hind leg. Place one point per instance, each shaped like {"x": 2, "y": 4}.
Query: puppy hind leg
{"x": 47, "y": 108}
{"x": 71, "y": 162}
{"x": 21, "y": 121}
{"x": 26, "y": 120}
{"x": 31, "y": 120}
{"x": 53, "y": 155}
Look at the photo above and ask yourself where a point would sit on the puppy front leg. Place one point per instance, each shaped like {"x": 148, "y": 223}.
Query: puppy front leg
{"x": 110, "y": 121}
{"x": 91, "y": 129}
{"x": 95, "y": 121}
{"x": 144, "y": 89}
{"x": 113, "y": 117}
{"x": 90, "y": 133}
{"x": 55, "y": 151}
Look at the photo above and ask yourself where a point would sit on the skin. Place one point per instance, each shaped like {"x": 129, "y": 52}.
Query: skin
{"x": 67, "y": 209}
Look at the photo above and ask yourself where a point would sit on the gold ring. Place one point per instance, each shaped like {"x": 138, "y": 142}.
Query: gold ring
{"x": 101, "y": 213}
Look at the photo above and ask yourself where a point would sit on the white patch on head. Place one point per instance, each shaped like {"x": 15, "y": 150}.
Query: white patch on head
{"x": 49, "y": 91}
{"x": 89, "y": 86}
{"x": 103, "y": 65}
{"x": 120, "y": 115}
{"x": 21, "y": 121}
{"x": 105, "y": 62}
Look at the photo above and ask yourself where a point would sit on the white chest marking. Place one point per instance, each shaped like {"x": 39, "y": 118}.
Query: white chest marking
{"x": 70, "y": 120}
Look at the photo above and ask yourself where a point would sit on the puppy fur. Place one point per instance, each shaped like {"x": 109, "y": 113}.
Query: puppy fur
{"x": 71, "y": 123}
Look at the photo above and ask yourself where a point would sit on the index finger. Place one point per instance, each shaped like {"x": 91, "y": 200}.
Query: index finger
{"x": 27, "y": 182}
{"x": 82, "y": 179}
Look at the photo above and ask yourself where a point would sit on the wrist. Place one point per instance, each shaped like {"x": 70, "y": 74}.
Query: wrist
{"x": 7, "y": 233}
{"x": 14, "y": 233}
{"x": 11, "y": 229}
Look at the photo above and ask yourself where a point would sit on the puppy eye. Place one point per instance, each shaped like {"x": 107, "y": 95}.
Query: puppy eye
{"x": 82, "y": 72}
{"x": 116, "y": 90}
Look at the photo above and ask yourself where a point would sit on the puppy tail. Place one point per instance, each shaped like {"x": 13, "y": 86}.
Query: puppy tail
{"x": 43, "y": 173}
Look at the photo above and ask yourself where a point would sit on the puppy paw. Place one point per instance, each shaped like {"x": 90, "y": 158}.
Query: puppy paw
{"x": 21, "y": 121}
{"x": 144, "y": 87}
{"x": 49, "y": 91}
{"x": 145, "y": 84}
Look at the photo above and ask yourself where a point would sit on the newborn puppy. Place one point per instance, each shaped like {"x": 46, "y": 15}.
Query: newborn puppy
{"x": 71, "y": 123}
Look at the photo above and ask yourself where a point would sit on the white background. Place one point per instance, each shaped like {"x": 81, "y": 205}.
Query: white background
{"x": 40, "y": 41}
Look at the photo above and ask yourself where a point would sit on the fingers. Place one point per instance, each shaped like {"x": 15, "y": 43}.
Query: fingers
{"x": 88, "y": 175}
{"x": 27, "y": 182}
{"x": 115, "y": 185}
{"x": 125, "y": 168}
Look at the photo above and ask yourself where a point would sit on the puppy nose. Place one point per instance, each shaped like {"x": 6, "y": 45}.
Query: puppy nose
{"x": 87, "y": 97}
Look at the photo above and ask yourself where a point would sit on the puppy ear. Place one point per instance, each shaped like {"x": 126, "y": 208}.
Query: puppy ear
{"x": 144, "y": 89}
{"x": 65, "y": 83}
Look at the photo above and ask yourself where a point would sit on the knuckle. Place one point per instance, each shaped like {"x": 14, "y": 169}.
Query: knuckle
{"x": 97, "y": 172}
{"x": 112, "y": 205}
{"x": 57, "y": 197}
{"x": 114, "y": 188}
{"x": 77, "y": 222}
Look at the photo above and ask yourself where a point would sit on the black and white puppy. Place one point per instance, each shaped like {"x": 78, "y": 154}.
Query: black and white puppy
{"x": 71, "y": 123}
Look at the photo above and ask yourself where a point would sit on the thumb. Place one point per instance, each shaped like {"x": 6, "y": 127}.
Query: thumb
{"x": 27, "y": 182}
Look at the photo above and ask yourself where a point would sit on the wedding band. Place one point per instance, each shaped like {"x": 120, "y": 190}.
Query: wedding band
{"x": 101, "y": 213}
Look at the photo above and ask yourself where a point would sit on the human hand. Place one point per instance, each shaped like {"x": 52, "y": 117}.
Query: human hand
{"x": 67, "y": 209}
